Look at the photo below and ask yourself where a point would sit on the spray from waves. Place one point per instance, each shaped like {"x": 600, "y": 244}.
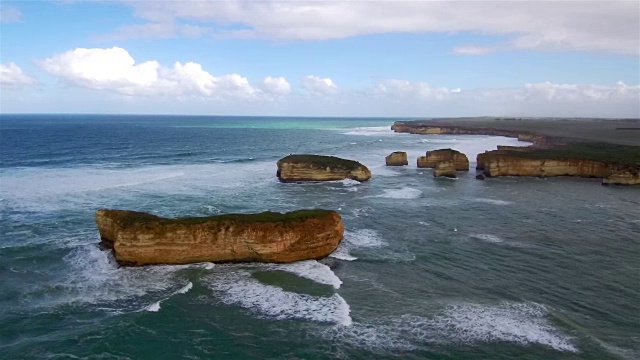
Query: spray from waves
{"x": 94, "y": 278}
{"x": 487, "y": 237}
{"x": 267, "y": 301}
{"x": 308, "y": 269}
{"x": 362, "y": 238}
{"x": 403, "y": 193}
{"x": 520, "y": 323}
{"x": 492, "y": 201}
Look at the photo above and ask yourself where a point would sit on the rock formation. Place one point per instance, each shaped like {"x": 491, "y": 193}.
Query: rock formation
{"x": 529, "y": 163}
{"x": 433, "y": 158}
{"x": 397, "y": 158}
{"x": 320, "y": 168}
{"x": 142, "y": 239}
{"x": 446, "y": 169}
{"x": 623, "y": 176}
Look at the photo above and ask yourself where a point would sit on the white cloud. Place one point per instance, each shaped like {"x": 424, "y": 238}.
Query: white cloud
{"x": 607, "y": 26}
{"x": 12, "y": 75}
{"x": 276, "y": 85}
{"x": 116, "y": 70}
{"x": 573, "y": 93}
{"x": 474, "y": 50}
{"x": 401, "y": 89}
{"x": 319, "y": 86}
{"x": 9, "y": 14}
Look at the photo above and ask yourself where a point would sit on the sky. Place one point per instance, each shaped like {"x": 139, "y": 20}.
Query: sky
{"x": 322, "y": 58}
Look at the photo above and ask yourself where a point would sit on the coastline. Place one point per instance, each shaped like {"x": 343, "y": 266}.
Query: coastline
{"x": 595, "y": 151}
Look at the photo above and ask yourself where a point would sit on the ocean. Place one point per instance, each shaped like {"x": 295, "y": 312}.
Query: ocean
{"x": 506, "y": 268}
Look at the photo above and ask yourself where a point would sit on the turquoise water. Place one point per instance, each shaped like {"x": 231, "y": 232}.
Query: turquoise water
{"x": 429, "y": 268}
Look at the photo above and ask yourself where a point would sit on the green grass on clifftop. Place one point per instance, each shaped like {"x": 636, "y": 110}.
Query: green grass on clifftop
{"x": 608, "y": 153}
{"x": 322, "y": 161}
{"x": 133, "y": 218}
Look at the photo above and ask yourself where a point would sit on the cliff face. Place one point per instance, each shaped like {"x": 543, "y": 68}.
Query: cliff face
{"x": 397, "y": 158}
{"x": 445, "y": 168}
{"x": 433, "y": 158}
{"x": 320, "y": 168}
{"x": 536, "y": 139}
{"x": 502, "y": 163}
{"x": 143, "y": 239}
{"x": 623, "y": 177}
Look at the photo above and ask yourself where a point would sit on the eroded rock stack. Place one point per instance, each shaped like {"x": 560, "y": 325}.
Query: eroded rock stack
{"x": 433, "y": 158}
{"x": 305, "y": 167}
{"x": 397, "y": 158}
{"x": 142, "y": 239}
{"x": 446, "y": 169}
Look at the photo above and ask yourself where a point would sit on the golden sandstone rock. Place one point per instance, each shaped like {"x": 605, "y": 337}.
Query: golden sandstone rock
{"x": 433, "y": 158}
{"x": 142, "y": 239}
{"x": 294, "y": 168}
{"x": 445, "y": 168}
{"x": 397, "y": 158}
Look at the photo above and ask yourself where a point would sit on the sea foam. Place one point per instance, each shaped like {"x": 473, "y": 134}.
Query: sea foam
{"x": 520, "y": 323}
{"x": 240, "y": 288}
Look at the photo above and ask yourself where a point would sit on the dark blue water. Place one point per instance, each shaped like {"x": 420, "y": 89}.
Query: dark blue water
{"x": 429, "y": 268}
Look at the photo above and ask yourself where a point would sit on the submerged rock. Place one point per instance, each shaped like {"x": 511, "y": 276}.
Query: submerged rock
{"x": 320, "y": 168}
{"x": 480, "y": 177}
{"x": 397, "y": 158}
{"x": 432, "y": 158}
{"x": 143, "y": 239}
{"x": 446, "y": 169}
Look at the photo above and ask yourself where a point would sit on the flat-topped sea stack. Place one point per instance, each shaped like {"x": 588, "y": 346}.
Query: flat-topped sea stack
{"x": 446, "y": 169}
{"x": 143, "y": 239}
{"x": 433, "y": 158}
{"x": 397, "y": 158}
{"x": 555, "y": 162}
{"x": 303, "y": 167}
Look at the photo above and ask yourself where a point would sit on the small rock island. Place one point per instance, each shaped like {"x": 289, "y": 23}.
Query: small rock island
{"x": 396, "y": 158}
{"x": 434, "y": 157}
{"x": 304, "y": 167}
{"x": 139, "y": 238}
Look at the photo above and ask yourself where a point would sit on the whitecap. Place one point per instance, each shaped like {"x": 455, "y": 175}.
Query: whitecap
{"x": 240, "y": 288}
{"x": 185, "y": 289}
{"x": 403, "y": 193}
{"x": 342, "y": 253}
{"x": 310, "y": 269}
{"x": 492, "y": 201}
{"x": 487, "y": 238}
{"x": 155, "y": 307}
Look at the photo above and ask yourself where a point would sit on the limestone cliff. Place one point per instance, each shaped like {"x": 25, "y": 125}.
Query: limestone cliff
{"x": 433, "y": 158}
{"x": 623, "y": 176}
{"x": 143, "y": 239}
{"x": 397, "y": 158}
{"x": 424, "y": 129}
{"x": 320, "y": 168}
{"x": 505, "y": 164}
{"x": 445, "y": 168}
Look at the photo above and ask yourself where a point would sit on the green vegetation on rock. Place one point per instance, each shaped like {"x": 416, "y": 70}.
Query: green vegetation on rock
{"x": 321, "y": 161}
{"x": 134, "y": 218}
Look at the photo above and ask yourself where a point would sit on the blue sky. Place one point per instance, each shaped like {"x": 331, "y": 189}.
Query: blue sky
{"x": 320, "y": 58}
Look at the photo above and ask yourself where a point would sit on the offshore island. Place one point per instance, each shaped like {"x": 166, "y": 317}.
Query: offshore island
{"x": 608, "y": 149}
